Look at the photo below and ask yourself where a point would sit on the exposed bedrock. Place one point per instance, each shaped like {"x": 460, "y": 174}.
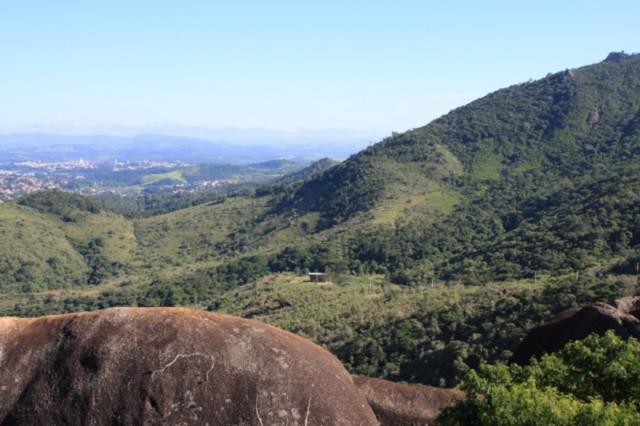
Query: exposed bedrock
{"x": 576, "y": 324}
{"x": 396, "y": 404}
{"x": 169, "y": 366}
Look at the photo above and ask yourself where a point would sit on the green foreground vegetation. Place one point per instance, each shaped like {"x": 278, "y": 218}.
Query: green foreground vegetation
{"x": 412, "y": 334}
{"x": 592, "y": 382}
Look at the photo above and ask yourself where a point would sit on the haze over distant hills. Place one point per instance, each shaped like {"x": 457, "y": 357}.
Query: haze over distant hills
{"x": 157, "y": 147}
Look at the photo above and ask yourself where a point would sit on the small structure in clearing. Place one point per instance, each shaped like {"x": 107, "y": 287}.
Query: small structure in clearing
{"x": 317, "y": 277}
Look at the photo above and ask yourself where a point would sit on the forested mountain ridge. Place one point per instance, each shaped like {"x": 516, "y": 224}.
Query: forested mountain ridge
{"x": 500, "y": 161}
{"x": 567, "y": 124}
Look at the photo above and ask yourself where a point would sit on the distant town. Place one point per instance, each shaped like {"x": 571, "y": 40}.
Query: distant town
{"x": 84, "y": 177}
{"x": 132, "y": 178}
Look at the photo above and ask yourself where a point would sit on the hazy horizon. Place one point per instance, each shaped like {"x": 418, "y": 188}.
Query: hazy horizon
{"x": 196, "y": 68}
{"x": 242, "y": 136}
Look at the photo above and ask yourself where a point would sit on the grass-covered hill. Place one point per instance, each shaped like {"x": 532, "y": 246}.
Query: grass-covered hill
{"x": 57, "y": 240}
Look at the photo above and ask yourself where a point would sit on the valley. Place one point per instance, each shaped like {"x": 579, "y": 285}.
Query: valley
{"x": 443, "y": 246}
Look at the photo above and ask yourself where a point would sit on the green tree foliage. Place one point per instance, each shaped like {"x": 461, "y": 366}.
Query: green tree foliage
{"x": 499, "y": 238}
{"x": 62, "y": 204}
{"x": 439, "y": 344}
{"x": 100, "y": 267}
{"x": 547, "y": 171}
{"x": 594, "y": 381}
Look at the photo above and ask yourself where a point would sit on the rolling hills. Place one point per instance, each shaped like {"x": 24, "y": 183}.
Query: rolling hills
{"x": 530, "y": 194}
{"x": 540, "y": 177}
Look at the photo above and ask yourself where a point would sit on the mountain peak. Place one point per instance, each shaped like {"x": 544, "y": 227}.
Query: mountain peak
{"x": 617, "y": 56}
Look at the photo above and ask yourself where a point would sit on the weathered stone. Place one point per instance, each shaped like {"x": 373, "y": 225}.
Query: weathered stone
{"x": 169, "y": 366}
{"x": 576, "y": 324}
{"x": 396, "y": 404}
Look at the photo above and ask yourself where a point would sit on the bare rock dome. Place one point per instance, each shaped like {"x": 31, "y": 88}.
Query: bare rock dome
{"x": 169, "y": 366}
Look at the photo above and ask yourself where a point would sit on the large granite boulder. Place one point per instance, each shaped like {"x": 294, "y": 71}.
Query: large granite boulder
{"x": 576, "y": 324}
{"x": 169, "y": 366}
{"x": 396, "y": 404}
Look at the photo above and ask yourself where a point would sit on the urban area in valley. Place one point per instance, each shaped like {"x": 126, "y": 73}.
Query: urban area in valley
{"x": 131, "y": 178}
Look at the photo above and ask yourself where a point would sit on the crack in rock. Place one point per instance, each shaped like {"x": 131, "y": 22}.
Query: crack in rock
{"x": 191, "y": 355}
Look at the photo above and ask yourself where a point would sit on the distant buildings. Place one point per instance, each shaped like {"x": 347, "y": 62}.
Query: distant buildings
{"x": 88, "y": 178}
{"x": 13, "y": 184}
{"x": 318, "y": 277}
{"x": 64, "y": 165}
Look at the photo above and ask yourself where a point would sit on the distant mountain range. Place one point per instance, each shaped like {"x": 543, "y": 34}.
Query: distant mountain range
{"x": 152, "y": 147}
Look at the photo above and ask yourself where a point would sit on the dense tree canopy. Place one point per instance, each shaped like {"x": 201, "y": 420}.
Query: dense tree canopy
{"x": 594, "y": 381}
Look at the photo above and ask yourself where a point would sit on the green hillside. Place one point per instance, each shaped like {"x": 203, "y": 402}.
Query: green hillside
{"x": 540, "y": 177}
{"x": 568, "y": 124}
{"x": 57, "y": 240}
{"x": 490, "y": 180}
{"x": 312, "y": 170}
{"x": 172, "y": 176}
{"x": 444, "y": 244}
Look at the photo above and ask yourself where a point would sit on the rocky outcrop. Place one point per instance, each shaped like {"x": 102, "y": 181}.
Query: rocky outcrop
{"x": 594, "y": 118}
{"x": 169, "y": 366}
{"x": 617, "y": 56}
{"x": 576, "y": 324}
{"x": 396, "y": 404}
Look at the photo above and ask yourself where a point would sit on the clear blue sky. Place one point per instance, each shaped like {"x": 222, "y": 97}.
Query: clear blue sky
{"x": 370, "y": 66}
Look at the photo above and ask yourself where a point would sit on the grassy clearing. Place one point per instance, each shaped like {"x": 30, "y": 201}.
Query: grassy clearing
{"x": 174, "y": 175}
{"x": 427, "y": 199}
{"x": 454, "y": 166}
{"x": 487, "y": 163}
